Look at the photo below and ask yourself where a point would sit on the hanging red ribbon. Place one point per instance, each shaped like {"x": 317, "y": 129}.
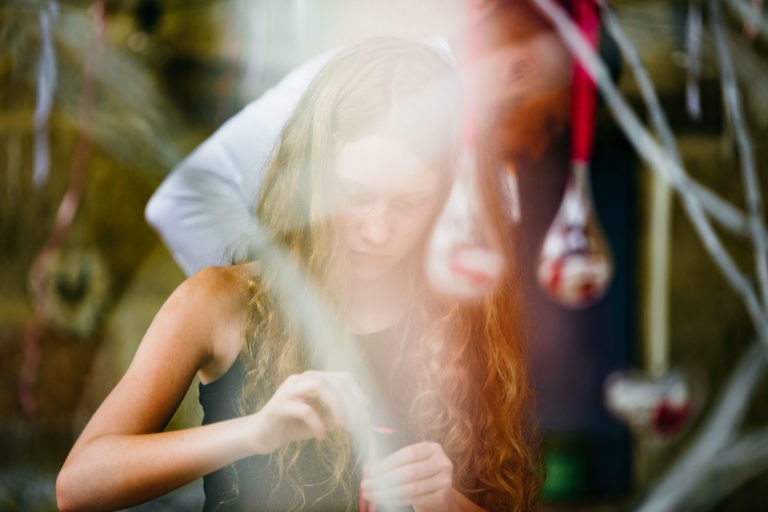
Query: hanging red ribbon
{"x": 583, "y": 88}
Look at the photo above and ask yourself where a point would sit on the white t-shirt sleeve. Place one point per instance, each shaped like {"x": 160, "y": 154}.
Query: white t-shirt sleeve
{"x": 204, "y": 207}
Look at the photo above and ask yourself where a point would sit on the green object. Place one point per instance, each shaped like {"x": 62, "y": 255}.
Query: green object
{"x": 566, "y": 462}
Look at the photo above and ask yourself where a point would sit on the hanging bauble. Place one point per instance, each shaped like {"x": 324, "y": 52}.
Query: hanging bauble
{"x": 463, "y": 257}
{"x": 657, "y": 407}
{"x": 575, "y": 264}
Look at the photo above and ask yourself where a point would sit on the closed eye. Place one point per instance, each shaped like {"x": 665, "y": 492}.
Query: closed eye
{"x": 409, "y": 203}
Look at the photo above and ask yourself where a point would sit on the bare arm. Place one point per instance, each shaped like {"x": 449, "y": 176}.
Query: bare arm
{"x": 122, "y": 457}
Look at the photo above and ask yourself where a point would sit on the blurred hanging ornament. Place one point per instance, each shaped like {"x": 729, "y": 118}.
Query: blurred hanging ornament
{"x": 659, "y": 408}
{"x": 46, "y": 84}
{"x": 693, "y": 59}
{"x": 511, "y": 190}
{"x": 575, "y": 263}
{"x": 463, "y": 257}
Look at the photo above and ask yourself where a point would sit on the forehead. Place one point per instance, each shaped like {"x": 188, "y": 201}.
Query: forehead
{"x": 378, "y": 163}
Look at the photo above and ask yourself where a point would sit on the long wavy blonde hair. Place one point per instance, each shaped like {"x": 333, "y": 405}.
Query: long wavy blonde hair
{"x": 473, "y": 396}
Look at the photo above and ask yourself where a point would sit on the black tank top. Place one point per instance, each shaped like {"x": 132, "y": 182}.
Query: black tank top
{"x": 249, "y": 484}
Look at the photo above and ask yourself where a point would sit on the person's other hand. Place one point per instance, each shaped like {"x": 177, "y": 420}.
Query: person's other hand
{"x": 420, "y": 475}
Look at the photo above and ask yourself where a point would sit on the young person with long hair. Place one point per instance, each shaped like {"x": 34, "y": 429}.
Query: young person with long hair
{"x": 361, "y": 171}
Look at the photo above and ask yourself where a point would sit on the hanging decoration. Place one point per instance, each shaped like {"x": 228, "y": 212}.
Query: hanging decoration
{"x": 693, "y": 59}
{"x": 575, "y": 262}
{"x": 463, "y": 258}
{"x": 39, "y": 273}
{"x": 77, "y": 285}
{"x": 660, "y": 408}
{"x": 46, "y": 83}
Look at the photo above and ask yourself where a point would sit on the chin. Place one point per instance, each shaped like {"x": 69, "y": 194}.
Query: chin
{"x": 368, "y": 275}
{"x": 372, "y": 272}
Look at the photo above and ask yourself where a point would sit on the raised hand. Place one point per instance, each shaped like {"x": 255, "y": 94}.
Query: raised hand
{"x": 308, "y": 405}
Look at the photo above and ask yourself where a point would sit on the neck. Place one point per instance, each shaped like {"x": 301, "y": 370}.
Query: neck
{"x": 379, "y": 304}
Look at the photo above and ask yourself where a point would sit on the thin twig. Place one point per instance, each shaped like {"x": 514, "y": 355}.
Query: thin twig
{"x": 732, "y": 101}
{"x": 722, "y": 211}
{"x": 749, "y": 16}
{"x": 719, "y": 209}
{"x": 690, "y": 470}
{"x": 749, "y": 449}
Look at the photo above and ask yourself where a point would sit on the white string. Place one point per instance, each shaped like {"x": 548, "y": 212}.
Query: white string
{"x": 46, "y": 83}
{"x": 693, "y": 61}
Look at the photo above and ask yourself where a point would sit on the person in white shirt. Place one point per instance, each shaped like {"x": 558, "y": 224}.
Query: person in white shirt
{"x": 205, "y": 205}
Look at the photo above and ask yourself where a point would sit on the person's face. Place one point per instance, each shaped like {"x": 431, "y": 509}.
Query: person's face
{"x": 388, "y": 199}
{"x": 525, "y": 89}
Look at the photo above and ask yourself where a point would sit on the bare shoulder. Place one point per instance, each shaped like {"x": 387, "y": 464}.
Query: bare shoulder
{"x": 216, "y": 302}
{"x": 225, "y": 287}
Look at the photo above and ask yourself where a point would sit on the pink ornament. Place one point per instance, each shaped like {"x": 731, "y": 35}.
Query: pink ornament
{"x": 463, "y": 259}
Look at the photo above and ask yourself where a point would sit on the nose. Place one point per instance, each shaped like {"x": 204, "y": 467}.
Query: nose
{"x": 375, "y": 224}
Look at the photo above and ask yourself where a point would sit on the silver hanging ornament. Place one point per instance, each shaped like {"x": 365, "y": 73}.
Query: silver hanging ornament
{"x": 575, "y": 263}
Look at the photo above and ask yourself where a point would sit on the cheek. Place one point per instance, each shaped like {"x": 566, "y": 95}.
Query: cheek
{"x": 345, "y": 223}
{"x": 416, "y": 228}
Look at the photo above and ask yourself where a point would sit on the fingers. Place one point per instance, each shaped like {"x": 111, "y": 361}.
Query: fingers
{"x": 335, "y": 399}
{"x": 341, "y": 393}
{"x": 307, "y": 405}
{"x": 410, "y": 494}
{"x": 312, "y": 392}
{"x": 416, "y": 474}
{"x": 411, "y": 454}
{"x": 305, "y": 415}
